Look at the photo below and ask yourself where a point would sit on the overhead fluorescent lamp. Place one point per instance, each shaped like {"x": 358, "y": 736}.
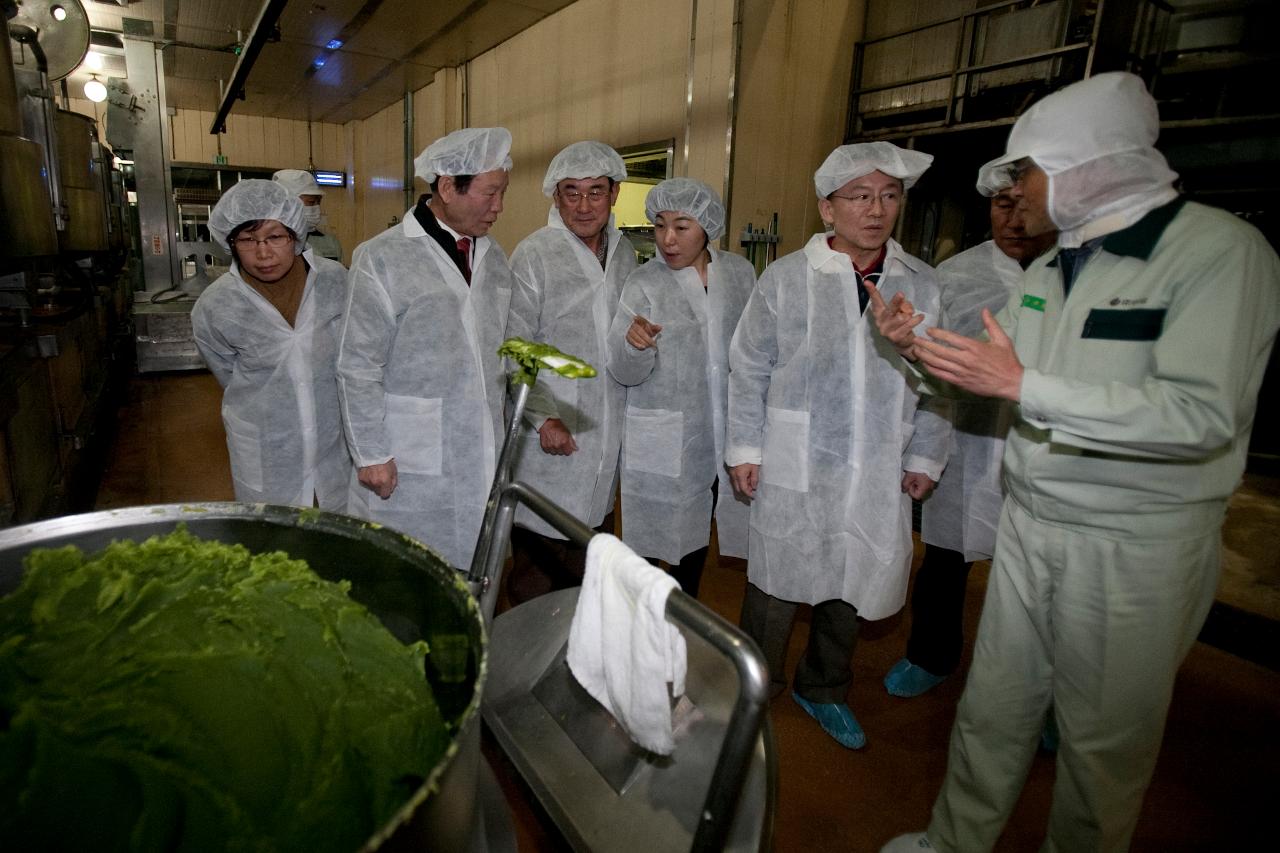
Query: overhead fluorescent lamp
{"x": 330, "y": 179}
{"x": 334, "y": 44}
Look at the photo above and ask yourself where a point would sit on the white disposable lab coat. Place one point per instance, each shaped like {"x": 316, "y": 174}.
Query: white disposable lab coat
{"x": 673, "y": 441}
{"x": 420, "y": 380}
{"x": 280, "y": 398}
{"x": 563, "y": 297}
{"x": 325, "y": 244}
{"x": 964, "y": 510}
{"x": 823, "y": 404}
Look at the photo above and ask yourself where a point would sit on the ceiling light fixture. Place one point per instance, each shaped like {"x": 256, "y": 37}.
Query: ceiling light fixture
{"x": 334, "y": 44}
{"x": 95, "y": 91}
{"x": 93, "y": 59}
{"x": 59, "y": 13}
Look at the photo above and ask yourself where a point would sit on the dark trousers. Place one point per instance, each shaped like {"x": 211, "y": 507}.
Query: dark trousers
{"x": 688, "y": 572}
{"x": 823, "y": 674}
{"x": 541, "y": 564}
{"x": 937, "y": 611}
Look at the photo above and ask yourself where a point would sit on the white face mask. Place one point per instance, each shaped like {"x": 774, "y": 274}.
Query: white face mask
{"x": 311, "y": 216}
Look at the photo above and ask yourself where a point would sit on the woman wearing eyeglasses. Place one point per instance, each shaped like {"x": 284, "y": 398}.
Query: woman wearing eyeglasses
{"x": 669, "y": 343}
{"x": 268, "y": 330}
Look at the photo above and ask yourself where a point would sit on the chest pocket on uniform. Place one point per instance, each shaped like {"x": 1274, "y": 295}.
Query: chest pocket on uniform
{"x": 1124, "y": 324}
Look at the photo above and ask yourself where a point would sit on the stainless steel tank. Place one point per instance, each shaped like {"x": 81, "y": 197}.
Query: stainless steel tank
{"x": 77, "y": 139}
{"x": 411, "y": 589}
{"x": 26, "y": 216}
{"x": 10, "y": 115}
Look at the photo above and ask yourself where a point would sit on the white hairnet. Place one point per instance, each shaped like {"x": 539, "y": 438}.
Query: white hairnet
{"x": 297, "y": 181}
{"x": 1096, "y": 142}
{"x": 254, "y": 199}
{"x": 853, "y": 161}
{"x": 688, "y": 196}
{"x": 470, "y": 151}
{"x": 588, "y": 159}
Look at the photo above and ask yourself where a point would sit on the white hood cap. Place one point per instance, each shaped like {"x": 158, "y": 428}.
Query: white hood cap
{"x": 690, "y": 196}
{"x": 470, "y": 151}
{"x": 1096, "y": 141}
{"x": 255, "y": 199}
{"x": 853, "y": 161}
{"x": 580, "y": 160}
{"x": 298, "y": 182}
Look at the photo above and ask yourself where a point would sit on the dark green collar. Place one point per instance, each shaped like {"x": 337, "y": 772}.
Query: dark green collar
{"x": 1139, "y": 239}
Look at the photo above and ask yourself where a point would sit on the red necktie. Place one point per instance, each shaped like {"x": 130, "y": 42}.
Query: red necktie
{"x": 464, "y": 248}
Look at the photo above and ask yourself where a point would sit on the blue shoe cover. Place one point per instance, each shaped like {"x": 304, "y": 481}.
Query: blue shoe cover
{"x": 836, "y": 720}
{"x": 908, "y": 680}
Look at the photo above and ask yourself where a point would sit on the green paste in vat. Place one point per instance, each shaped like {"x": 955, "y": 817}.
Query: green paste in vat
{"x": 182, "y": 694}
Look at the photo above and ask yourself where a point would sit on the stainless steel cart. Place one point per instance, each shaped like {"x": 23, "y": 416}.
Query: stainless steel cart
{"x": 715, "y": 792}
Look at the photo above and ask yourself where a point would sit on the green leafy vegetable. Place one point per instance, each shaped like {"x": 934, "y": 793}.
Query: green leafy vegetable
{"x": 530, "y": 356}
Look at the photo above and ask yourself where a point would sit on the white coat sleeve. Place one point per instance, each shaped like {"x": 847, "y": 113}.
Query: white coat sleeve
{"x": 1196, "y": 397}
{"x": 217, "y": 353}
{"x": 628, "y": 365}
{"x": 524, "y": 320}
{"x": 367, "y": 334}
{"x": 752, "y": 355}
{"x": 930, "y": 444}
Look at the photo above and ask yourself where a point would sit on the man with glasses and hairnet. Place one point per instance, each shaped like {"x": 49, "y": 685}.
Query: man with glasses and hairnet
{"x": 958, "y": 521}
{"x": 1135, "y": 353}
{"x": 303, "y": 185}
{"x": 419, "y": 376}
{"x": 568, "y": 276}
{"x": 268, "y": 330}
{"x": 824, "y": 434}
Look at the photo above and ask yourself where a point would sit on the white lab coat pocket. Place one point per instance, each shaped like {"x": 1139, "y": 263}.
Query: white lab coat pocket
{"x": 653, "y": 440}
{"x": 786, "y": 449}
{"x": 245, "y": 448}
{"x": 414, "y": 427}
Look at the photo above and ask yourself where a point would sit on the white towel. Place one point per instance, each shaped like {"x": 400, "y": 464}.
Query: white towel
{"x": 621, "y": 647}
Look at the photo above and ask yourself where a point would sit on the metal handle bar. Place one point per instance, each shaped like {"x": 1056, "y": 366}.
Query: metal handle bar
{"x": 748, "y": 714}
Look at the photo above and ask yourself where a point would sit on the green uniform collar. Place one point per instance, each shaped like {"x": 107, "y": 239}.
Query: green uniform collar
{"x": 1139, "y": 239}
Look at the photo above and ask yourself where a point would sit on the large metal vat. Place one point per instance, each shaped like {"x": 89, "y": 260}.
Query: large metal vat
{"x": 77, "y": 137}
{"x": 26, "y": 216}
{"x": 411, "y": 589}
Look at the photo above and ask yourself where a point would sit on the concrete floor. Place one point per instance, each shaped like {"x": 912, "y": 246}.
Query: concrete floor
{"x": 1215, "y": 781}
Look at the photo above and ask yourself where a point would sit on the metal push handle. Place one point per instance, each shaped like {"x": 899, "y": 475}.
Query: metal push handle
{"x": 745, "y": 722}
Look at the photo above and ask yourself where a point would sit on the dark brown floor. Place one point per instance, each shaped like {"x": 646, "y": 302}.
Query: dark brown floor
{"x": 1215, "y": 783}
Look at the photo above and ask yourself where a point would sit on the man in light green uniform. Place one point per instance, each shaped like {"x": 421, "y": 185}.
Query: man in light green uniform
{"x": 1135, "y": 353}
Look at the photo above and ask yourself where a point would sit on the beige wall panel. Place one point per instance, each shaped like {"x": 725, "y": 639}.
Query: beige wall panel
{"x": 233, "y": 140}
{"x": 712, "y": 72}
{"x": 631, "y": 91}
{"x": 184, "y": 135}
{"x": 792, "y": 100}
{"x": 201, "y": 146}
{"x": 379, "y": 170}
{"x": 254, "y": 152}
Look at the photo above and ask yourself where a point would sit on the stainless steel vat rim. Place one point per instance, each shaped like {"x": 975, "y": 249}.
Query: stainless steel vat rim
{"x": 66, "y": 42}
{"x": 37, "y": 533}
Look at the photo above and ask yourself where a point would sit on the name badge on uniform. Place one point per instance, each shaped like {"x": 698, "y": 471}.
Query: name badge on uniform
{"x": 1035, "y": 303}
